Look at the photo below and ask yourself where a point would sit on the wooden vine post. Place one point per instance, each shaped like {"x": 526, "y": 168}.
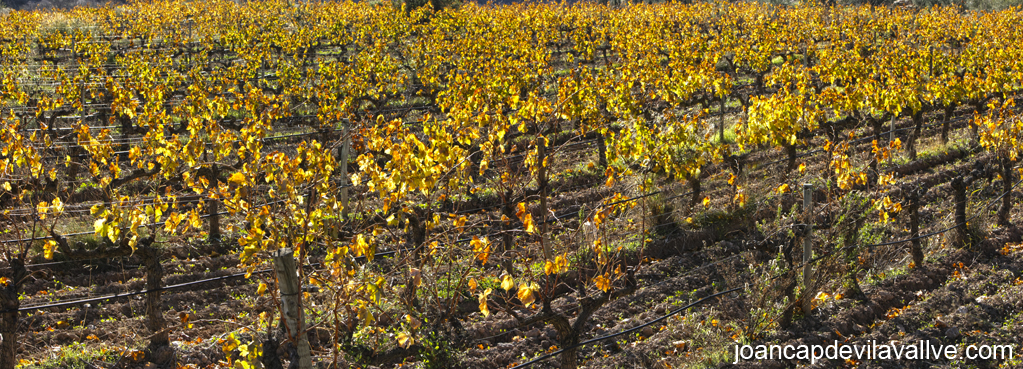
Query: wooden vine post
{"x": 342, "y": 161}
{"x": 9, "y": 317}
{"x": 916, "y": 250}
{"x": 291, "y": 304}
{"x": 891, "y": 132}
{"x": 962, "y": 232}
{"x": 601, "y": 150}
{"x": 807, "y": 249}
{"x": 918, "y": 121}
{"x": 1005, "y": 209}
{"x": 542, "y": 182}
{"x": 154, "y": 313}
{"x": 949, "y": 110}
{"x": 160, "y": 351}
{"x": 721, "y": 122}
{"x": 214, "y": 212}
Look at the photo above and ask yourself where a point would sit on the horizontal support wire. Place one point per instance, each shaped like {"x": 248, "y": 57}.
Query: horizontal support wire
{"x": 811, "y": 261}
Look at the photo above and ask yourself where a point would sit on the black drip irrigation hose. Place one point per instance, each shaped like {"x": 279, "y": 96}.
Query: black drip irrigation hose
{"x": 135, "y": 293}
{"x": 142, "y": 292}
{"x": 546, "y": 356}
{"x": 797, "y": 267}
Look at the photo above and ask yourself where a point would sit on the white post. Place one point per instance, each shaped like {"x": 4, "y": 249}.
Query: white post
{"x": 891, "y": 133}
{"x": 291, "y": 303}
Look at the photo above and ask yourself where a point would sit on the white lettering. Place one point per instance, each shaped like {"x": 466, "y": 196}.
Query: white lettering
{"x": 845, "y": 352}
{"x": 884, "y": 352}
{"x": 935, "y": 350}
{"x": 803, "y": 353}
{"x": 816, "y": 353}
{"x": 898, "y": 351}
{"x": 831, "y": 352}
{"x": 861, "y": 352}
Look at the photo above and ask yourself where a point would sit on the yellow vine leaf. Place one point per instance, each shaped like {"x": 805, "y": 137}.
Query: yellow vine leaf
{"x": 527, "y": 222}
{"x": 48, "y": 249}
{"x": 100, "y": 226}
{"x": 482, "y": 249}
{"x": 561, "y": 263}
{"x": 58, "y": 206}
{"x": 483, "y": 302}
{"x": 362, "y": 248}
{"x": 230, "y": 343}
{"x": 602, "y": 282}
{"x": 42, "y": 208}
{"x": 405, "y": 339}
{"x": 527, "y": 293}
{"x": 507, "y": 283}
{"x": 237, "y": 178}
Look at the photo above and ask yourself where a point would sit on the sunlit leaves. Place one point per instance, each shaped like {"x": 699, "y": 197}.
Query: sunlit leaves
{"x": 230, "y": 343}
{"x": 776, "y": 119}
{"x": 507, "y": 282}
{"x": 602, "y": 282}
{"x": 559, "y": 265}
{"x": 173, "y": 220}
{"x": 886, "y": 207}
{"x": 362, "y": 247}
{"x": 405, "y": 339}
{"x": 48, "y": 249}
{"x": 482, "y": 248}
{"x": 42, "y": 208}
{"x": 678, "y": 148}
{"x": 527, "y": 293}
{"x": 107, "y": 226}
{"x": 1001, "y": 129}
{"x": 740, "y": 197}
{"x": 527, "y": 223}
{"x": 237, "y": 178}
{"x": 485, "y": 87}
{"x": 483, "y": 302}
